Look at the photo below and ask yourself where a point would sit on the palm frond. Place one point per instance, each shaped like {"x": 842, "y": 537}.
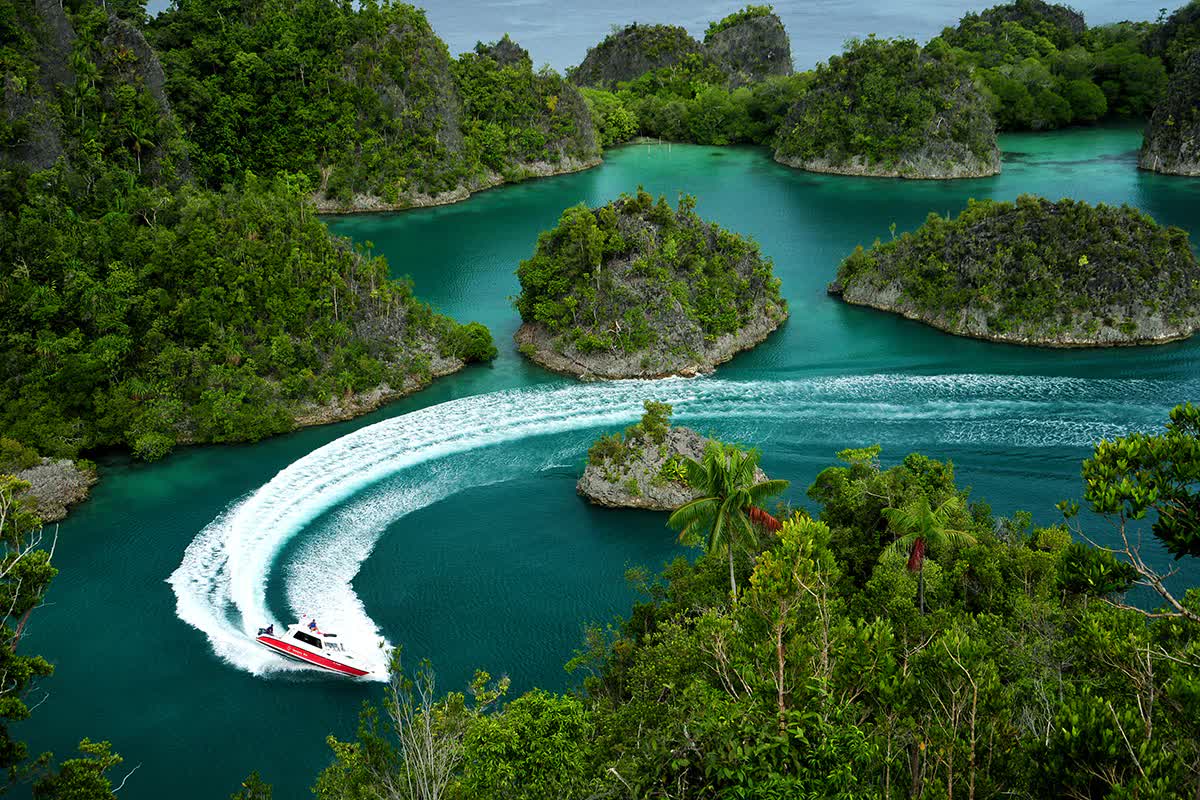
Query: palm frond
{"x": 761, "y": 491}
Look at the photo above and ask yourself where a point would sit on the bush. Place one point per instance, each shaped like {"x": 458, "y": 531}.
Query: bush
{"x": 15, "y": 456}
{"x": 473, "y": 342}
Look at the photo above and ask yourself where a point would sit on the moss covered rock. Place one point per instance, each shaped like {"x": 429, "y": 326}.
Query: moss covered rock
{"x": 1172, "y": 141}
{"x": 890, "y": 108}
{"x": 637, "y": 289}
{"x": 1060, "y": 274}
{"x": 632, "y": 51}
{"x": 642, "y": 467}
{"x": 750, "y": 45}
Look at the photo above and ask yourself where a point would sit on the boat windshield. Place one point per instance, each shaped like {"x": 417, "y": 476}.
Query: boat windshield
{"x": 309, "y": 640}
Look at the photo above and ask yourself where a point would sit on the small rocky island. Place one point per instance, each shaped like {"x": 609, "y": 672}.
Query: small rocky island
{"x": 1035, "y": 272}
{"x": 889, "y": 108}
{"x": 1172, "y": 143}
{"x": 643, "y": 466}
{"x": 637, "y": 289}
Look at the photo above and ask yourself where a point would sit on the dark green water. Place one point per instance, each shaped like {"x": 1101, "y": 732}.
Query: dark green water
{"x": 480, "y": 554}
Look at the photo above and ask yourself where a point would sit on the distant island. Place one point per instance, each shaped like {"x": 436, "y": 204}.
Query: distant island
{"x": 746, "y": 46}
{"x": 637, "y": 289}
{"x": 1035, "y": 272}
{"x": 642, "y": 467}
{"x": 889, "y": 108}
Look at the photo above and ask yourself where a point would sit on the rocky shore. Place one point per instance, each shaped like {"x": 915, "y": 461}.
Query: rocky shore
{"x": 1092, "y": 330}
{"x": 340, "y": 409}
{"x": 55, "y": 485}
{"x": 647, "y": 479}
{"x": 663, "y": 360}
{"x": 369, "y": 203}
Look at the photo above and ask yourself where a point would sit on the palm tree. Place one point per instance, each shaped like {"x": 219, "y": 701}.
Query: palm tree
{"x": 727, "y": 509}
{"x": 920, "y": 527}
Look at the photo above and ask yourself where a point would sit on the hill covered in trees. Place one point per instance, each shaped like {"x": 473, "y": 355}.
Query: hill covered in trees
{"x": 891, "y": 108}
{"x": 636, "y": 288}
{"x": 366, "y": 101}
{"x": 1062, "y": 274}
{"x": 1041, "y": 67}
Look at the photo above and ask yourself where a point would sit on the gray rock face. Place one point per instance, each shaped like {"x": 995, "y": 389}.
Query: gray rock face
{"x": 634, "y": 51}
{"x": 752, "y": 50}
{"x": 639, "y": 482}
{"x": 56, "y": 484}
{"x": 1172, "y": 140}
{"x": 505, "y": 52}
{"x": 424, "y": 63}
{"x": 665, "y": 358}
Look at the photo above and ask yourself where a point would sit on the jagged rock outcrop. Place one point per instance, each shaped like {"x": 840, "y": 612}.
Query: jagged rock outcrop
{"x": 1172, "y": 140}
{"x": 747, "y": 46}
{"x": 55, "y": 485}
{"x": 505, "y": 52}
{"x": 889, "y": 108}
{"x": 646, "y": 476}
{"x": 750, "y": 49}
{"x": 634, "y": 51}
{"x": 1055, "y": 274}
{"x": 636, "y": 289}
{"x": 123, "y": 59}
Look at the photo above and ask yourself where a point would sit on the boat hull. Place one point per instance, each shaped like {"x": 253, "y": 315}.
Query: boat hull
{"x": 295, "y": 653}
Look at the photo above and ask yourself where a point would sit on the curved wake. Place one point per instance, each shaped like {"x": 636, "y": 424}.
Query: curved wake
{"x": 408, "y": 462}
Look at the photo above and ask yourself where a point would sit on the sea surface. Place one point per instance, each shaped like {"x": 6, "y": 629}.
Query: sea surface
{"x": 448, "y": 522}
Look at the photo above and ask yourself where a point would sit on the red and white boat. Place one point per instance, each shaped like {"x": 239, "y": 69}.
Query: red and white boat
{"x": 307, "y": 644}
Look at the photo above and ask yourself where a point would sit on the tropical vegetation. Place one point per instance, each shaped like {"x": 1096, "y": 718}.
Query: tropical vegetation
{"x": 1041, "y": 67}
{"x": 1035, "y": 271}
{"x": 1032, "y": 671}
{"x": 891, "y": 107}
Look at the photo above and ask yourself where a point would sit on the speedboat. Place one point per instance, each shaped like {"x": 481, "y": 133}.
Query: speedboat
{"x": 307, "y": 644}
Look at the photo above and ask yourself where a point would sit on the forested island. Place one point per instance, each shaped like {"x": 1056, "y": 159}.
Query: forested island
{"x": 891, "y": 108}
{"x": 637, "y": 289}
{"x": 645, "y": 466}
{"x": 1058, "y": 274}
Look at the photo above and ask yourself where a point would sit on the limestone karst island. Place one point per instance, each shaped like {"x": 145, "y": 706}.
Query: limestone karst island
{"x": 535, "y": 400}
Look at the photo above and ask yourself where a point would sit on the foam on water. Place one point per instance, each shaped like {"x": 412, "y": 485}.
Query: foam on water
{"x": 361, "y": 483}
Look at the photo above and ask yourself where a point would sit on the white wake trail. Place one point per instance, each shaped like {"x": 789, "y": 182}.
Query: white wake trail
{"x": 220, "y": 586}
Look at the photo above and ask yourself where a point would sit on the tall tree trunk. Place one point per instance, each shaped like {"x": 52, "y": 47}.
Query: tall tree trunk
{"x": 921, "y": 588}
{"x": 732, "y": 581}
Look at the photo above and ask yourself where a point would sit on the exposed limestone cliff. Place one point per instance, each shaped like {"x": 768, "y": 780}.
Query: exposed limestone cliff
{"x": 751, "y": 49}
{"x": 1172, "y": 141}
{"x": 633, "y": 51}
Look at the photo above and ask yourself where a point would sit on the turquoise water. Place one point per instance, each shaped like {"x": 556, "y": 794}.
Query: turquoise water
{"x": 448, "y": 522}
